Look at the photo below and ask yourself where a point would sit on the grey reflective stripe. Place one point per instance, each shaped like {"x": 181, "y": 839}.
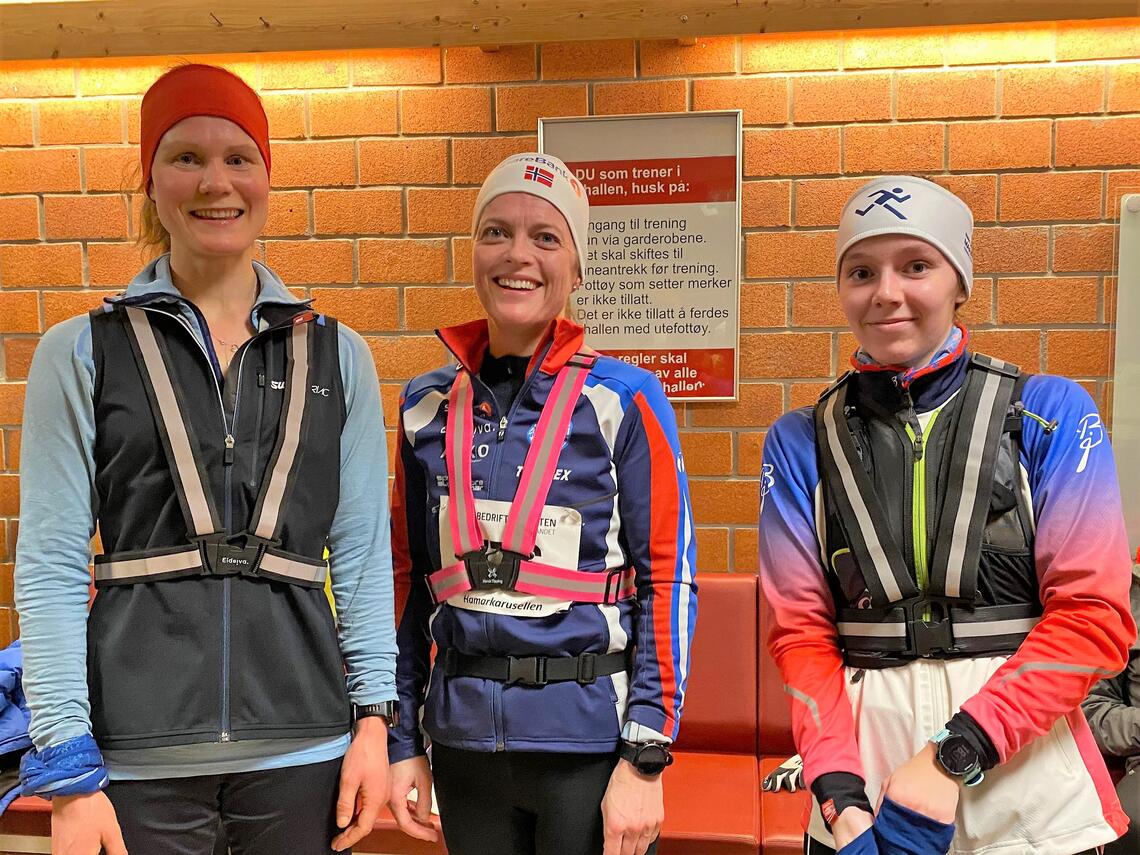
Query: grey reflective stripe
{"x": 855, "y": 497}
{"x": 185, "y": 467}
{"x": 280, "y": 566}
{"x": 137, "y": 568}
{"x": 967, "y": 495}
{"x": 808, "y": 701}
{"x": 1066, "y": 667}
{"x": 534, "y": 575}
{"x": 448, "y": 577}
{"x": 982, "y": 629}
{"x": 298, "y": 381}
{"x": 872, "y": 630}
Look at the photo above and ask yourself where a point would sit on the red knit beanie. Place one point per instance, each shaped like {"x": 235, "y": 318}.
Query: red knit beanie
{"x": 199, "y": 90}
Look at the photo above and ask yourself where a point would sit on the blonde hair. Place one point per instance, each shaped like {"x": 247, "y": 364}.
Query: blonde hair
{"x": 152, "y": 234}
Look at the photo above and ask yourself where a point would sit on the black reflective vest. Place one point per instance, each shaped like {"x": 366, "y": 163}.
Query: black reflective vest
{"x": 210, "y": 622}
{"x": 929, "y": 536}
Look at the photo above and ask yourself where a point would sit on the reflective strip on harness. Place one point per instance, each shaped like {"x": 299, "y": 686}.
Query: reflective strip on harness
{"x": 184, "y": 468}
{"x": 117, "y": 571}
{"x": 985, "y": 629}
{"x": 267, "y": 512}
{"x": 544, "y": 580}
{"x": 977, "y": 436}
{"x": 249, "y": 553}
{"x": 507, "y": 566}
{"x": 132, "y": 569}
{"x": 864, "y": 522}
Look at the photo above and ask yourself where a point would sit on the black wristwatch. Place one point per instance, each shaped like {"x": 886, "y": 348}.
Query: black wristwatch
{"x": 387, "y": 710}
{"x": 648, "y": 758}
{"x": 958, "y": 757}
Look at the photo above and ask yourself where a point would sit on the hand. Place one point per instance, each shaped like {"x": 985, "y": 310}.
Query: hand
{"x": 85, "y": 825}
{"x": 403, "y": 777}
{"x": 363, "y": 781}
{"x": 850, "y": 824}
{"x": 632, "y": 811}
{"x": 922, "y": 785}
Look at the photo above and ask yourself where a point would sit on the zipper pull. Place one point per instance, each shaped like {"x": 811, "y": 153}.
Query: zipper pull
{"x": 228, "y": 458}
{"x": 502, "y": 428}
{"x": 857, "y": 677}
{"x": 917, "y": 447}
{"x": 260, "y": 379}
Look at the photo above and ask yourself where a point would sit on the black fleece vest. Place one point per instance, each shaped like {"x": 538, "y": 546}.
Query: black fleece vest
{"x": 203, "y": 657}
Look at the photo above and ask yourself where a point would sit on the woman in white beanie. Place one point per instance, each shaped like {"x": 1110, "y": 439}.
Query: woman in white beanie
{"x": 942, "y": 545}
{"x": 543, "y": 541}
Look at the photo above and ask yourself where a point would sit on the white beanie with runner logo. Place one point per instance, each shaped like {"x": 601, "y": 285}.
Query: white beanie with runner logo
{"x": 544, "y": 176}
{"x": 903, "y": 204}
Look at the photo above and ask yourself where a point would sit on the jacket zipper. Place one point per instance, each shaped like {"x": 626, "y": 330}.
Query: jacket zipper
{"x": 918, "y": 509}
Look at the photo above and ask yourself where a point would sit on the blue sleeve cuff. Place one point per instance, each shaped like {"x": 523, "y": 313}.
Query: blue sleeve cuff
{"x": 864, "y": 844}
{"x": 902, "y": 831}
{"x": 71, "y": 768}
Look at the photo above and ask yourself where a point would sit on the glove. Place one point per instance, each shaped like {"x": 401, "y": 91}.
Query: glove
{"x": 789, "y": 776}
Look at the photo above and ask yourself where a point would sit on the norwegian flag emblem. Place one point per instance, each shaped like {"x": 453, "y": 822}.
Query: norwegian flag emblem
{"x": 537, "y": 173}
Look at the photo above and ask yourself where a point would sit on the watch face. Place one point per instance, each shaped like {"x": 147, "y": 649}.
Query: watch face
{"x": 652, "y": 759}
{"x": 957, "y": 756}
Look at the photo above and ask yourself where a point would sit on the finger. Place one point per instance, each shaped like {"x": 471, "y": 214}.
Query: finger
{"x": 612, "y": 843}
{"x": 629, "y": 843}
{"x": 423, "y": 803}
{"x": 646, "y": 840}
{"x": 113, "y": 843}
{"x": 400, "y": 808}
{"x": 369, "y": 810}
{"x": 346, "y": 799}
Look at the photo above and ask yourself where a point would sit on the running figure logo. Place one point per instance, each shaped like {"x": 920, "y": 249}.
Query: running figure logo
{"x": 1091, "y": 432}
{"x": 884, "y": 199}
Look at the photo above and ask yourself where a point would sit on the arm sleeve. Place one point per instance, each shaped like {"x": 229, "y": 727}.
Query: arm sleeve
{"x": 803, "y": 639}
{"x": 413, "y": 601}
{"x": 1083, "y": 572}
{"x": 360, "y": 558}
{"x": 58, "y": 509}
{"x": 657, "y": 532}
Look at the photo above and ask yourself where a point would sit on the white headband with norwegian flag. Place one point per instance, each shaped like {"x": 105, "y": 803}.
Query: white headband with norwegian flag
{"x": 544, "y": 176}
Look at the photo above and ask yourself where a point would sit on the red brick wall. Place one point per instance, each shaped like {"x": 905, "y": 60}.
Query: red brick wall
{"x": 377, "y": 157}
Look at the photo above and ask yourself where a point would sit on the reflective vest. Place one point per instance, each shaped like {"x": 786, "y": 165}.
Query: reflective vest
{"x": 512, "y": 564}
{"x": 929, "y": 534}
{"x": 210, "y": 621}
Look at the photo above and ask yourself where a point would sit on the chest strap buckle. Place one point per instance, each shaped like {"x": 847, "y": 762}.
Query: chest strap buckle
{"x": 231, "y": 556}
{"x": 934, "y": 634}
{"x": 492, "y": 567}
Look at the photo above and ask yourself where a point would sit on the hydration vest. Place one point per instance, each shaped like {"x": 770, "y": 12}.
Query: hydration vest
{"x": 210, "y": 621}
{"x": 957, "y": 581}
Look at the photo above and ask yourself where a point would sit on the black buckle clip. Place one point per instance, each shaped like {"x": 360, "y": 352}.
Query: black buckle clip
{"x": 492, "y": 567}
{"x": 526, "y": 670}
{"x": 222, "y": 556}
{"x": 934, "y": 636}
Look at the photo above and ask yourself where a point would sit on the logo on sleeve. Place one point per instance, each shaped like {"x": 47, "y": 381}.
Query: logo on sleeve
{"x": 767, "y": 479}
{"x": 1091, "y": 432}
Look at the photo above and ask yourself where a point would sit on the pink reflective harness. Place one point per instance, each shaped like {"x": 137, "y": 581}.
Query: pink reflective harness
{"x": 483, "y": 565}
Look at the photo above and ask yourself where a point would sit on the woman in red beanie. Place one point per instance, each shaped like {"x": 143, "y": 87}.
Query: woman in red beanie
{"x": 222, "y": 436}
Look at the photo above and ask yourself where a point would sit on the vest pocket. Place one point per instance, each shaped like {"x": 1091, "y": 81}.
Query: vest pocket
{"x": 154, "y": 663}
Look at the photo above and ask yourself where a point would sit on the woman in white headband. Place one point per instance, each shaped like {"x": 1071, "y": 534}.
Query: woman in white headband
{"x": 941, "y": 542}
{"x": 543, "y": 541}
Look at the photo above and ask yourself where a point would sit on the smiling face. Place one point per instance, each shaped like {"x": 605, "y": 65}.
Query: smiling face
{"x": 211, "y": 188}
{"x": 899, "y": 294}
{"x": 525, "y": 267}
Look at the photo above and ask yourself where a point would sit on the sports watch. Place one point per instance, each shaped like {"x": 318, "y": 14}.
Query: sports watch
{"x": 648, "y": 758}
{"x": 958, "y": 757}
{"x": 387, "y": 710}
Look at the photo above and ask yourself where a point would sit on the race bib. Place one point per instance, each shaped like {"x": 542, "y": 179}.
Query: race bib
{"x": 559, "y": 535}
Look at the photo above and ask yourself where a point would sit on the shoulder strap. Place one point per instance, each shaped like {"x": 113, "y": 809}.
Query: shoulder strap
{"x": 986, "y": 398}
{"x": 860, "y": 512}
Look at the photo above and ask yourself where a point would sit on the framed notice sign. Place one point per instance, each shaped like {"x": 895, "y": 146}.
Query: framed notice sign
{"x": 661, "y": 280}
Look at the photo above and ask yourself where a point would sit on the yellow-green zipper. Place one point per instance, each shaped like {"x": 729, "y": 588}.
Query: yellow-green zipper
{"x": 918, "y": 510}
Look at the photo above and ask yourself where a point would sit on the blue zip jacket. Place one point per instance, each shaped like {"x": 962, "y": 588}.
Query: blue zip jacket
{"x": 619, "y": 499}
